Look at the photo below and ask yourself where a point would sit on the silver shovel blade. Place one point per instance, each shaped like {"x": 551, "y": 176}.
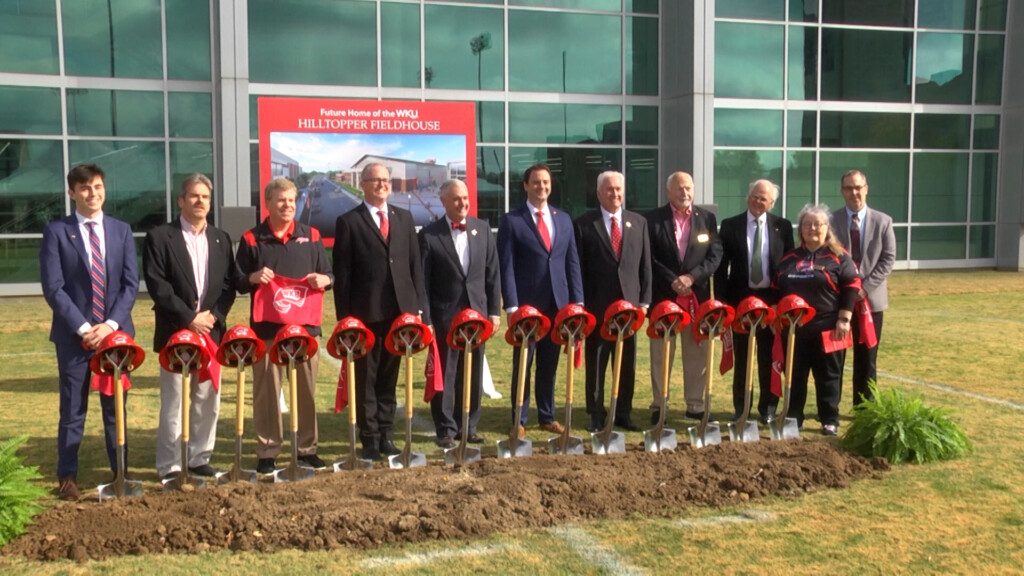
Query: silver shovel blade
{"x": 712, "y": 435}
{"x": 614, "y": 443}
{"x": 573, "y": 446}
{"x": 353, "y": 464}
{"x": 120, "y": 488}
{"x": 183, "y": 484}
{"x": 749, "y": 433}
{"x": 294, "y": 473}
{"x": 654, "y": 442}
{"x": 784, "y": 430}
{"x": 522, "y": 448}
{"x": 415, "y": 459}
{"x": 469, "y": 454}
{"x": 237, "y": 475}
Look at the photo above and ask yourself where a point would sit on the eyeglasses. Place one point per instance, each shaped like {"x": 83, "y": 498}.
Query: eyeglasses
{"x": 814, "y": 224}
{"x": 377, "y": 180}
{"x": 857, "y": 188}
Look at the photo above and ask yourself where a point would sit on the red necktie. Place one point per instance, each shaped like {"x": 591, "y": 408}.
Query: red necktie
{"x": 384, "y": 226}
{"x": 456, "y": 226}
{"x": 97, "y": 274}
{"x": 855, "y": 238}
{"x": 542, "y": 228}
{"x": 616, "y": 238}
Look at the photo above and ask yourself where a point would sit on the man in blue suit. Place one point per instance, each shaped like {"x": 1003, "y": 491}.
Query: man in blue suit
{"x": 540, "y": 267}
{"x": 90, "y": 278}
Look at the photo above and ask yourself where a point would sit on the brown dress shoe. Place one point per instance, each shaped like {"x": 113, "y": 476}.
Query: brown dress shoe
{"x": 554, "y": 427}
{"x": 69, "y": 489}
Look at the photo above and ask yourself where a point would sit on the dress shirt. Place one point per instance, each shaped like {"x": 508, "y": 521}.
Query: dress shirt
{"x": 374, "y": 211}
{"x": 461, "y": 240}
{"x": 682, "y": 228}
{"x": 751, "y": 231}
{"x": 546, "y": 211}
{"x": 849, "y": 224}
{"x": 83, "y": 230}
{"x": 199, "y": 253}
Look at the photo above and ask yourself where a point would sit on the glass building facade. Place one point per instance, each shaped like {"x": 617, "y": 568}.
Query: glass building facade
{"x": 915, "y": 93}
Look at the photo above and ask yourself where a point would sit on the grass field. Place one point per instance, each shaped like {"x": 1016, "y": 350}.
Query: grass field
{"x": 957, "y": 339}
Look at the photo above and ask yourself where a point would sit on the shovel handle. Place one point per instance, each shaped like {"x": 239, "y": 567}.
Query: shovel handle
{"x": 408, "y": 386}
{"x": 666, "y": 365}
{"x": 240, "y": 408}
{"x": 570, "y": 368}
{"x": 709, "y": 370}
{"x": 617, "y": 367}
{"x": 350, "y": 365}
{"x": 119, "y": 406}
{"x": 790, "y": 344}
{"x": 467, "y": 379}
{"x": 293, "y": 396}
{"x": 186, "y": 395}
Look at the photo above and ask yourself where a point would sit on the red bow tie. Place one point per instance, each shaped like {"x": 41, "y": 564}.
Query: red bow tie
{"x": 459, "y": 226}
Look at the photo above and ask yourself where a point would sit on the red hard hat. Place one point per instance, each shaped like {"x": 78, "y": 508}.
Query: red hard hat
{"x": 752, "y": 309}
{"x": 113, "y": 350}
{"x": 663, "y": 316}
{"x": 714, "y": 313}
{"x": 408, "y": 334}
{"x": 184, "y": 346}
{"x": 523, "y": 321}
{"x": 621, "y": 317}
{"x": 472, "y": 324}
{"x": 292, "y": 340}
{"x": 572, "y": 319}
{"x": 350, "y": 333}
{"x": 240, "y": 343}
{"x": 789, "y": 308}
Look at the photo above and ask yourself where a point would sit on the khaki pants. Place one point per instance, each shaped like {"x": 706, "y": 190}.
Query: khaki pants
{"x": 695, "y": 359}
{"x": 266, "y": 410}
{"x": 204, "y": 405}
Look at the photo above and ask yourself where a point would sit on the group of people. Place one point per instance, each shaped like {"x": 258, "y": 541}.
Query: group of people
{"x": 382, "y": 268}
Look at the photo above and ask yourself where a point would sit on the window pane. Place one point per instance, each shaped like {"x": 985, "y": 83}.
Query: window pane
{"x": 642, "y": 184}
{"x": 400, "y": 46}
{"x": 29, "y": 110}
{"x": 642, "y": 125}
{"x": 31, "y": 185}
{"x": 603, "y": 5}
{"x": 136, "y": 189}
{"x": 865, "y": 65}
{"x": 990, "y": 70}
{"x": 254, "y": 118}
{"x": 901, "y": 242}
{"x": 188, "y": 158}
{"x": 736, "y": 169}
{"x": 642, "y": 6}
{"x": 940, "y": 187}
{"x": 118, "y": 38}
{"x": 642, "y": 56}
{"x": 28, "y": 37}
{"x": 19, "y": 260}
{"x": 944, "y": 68}
{"x": 869, "y": 12}
{"x": 573, "y": 174}
{"x": 313, "y": 42}
{"x": 748, "y": 127}
{"x": 465, "y": 47}
{"x": 802, "y": 129}
{"x": 888, "y": 174}
{"x": 190, "y": 114}
{"x": 986, "y": 131}
{"x": 799, "y": 188}
{"x": 938, "y": 243}
{"x": 942, "y": 131}
{"x": 984, "y": 176}
{"x": 748, "y": 60}
{"x": 993, "y": 15}
{"x": 803, "y": 11}
{"x": 803, "y": 63}
{"x": 94, "y": 112}
{"x": 559, "y": 52}
{"x": 983, "y": 242}
{"x": 490, "y": 183}
{"x": 751, "y": 9}
{"x": 952, "y": 14}
{"x": 490, "y": 121}
{"x": 865, "y": 130}
{"x": 188, "y": 39}
{"x": 569, "y": 123}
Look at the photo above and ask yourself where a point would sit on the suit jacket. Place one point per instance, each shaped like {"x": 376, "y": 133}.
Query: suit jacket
{"x": 631, "y": 272}
{"x": 375, "y": 281}
{"x": 451, "y": 290}
{"x": 67, "y": 287}
{"x": 732, "y": 279}
{"x": 529, "y": 273}
{"x": 703, "y": 253}
{"x": 878, "y": 252}
{"x": 171, "y": 282}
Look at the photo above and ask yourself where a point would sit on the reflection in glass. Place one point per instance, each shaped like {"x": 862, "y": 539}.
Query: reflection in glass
{"x": 465, "y": 47}
{"x": 940, "y": 187}
{"x": 748, "y": 60}
{"x": 564, "y": 52}
{"x": 94, "y": 112}
{"x": 869, "y": 12}
{"x": 400, "y": 46}
{"x": 569, "y": 123}
{"x": 950, "y": 14}
{"x": 190, "y": 114}
{"x": 116, "y": 39}
{"x": 888, "y": 174}
{"x": 993, "y": 15}
{"x": 984, "y": 177}
{"x": 28, "y": 42}
{"x": 20, "y": 262}
{"x": 799, "y": 189}
{"x": 29, "y": 110}
{"x": 573, "y": 174}
{"x": 743, "y": 127}
{"x": 490, "y": 121}
{"x": 942, "y": 131}
{"x": 642, "y": 6}
{"x": 938, "y": 242}
{"x": 803, "y": 10}
{"x": 990, "y": 69}
{"x": 136, "y": 189}
{"x": 736, "y": 169}
{"x": 865, "y": 65}
{"x": 597, "y": 5}
{"x": 188, "y": 39}
{"x": 901, "y": 242}
{"x": 983, "y": 242}
{"x": 490, "y": 183}
{"x": 802, "y": 130}
{"x": 31, "y": 185}
{"x": 642, "y": 125}
{"x": 986, "y": 131}
{"x": 188, "y": 158}
{"x": 944, "y": 68}
{"x": 751, "y": 9}
{"x": 803, "y": 63}
{"x": 642, "y": 56}
{"x": 642, "y": 185}
{"x": 865, "y": 130}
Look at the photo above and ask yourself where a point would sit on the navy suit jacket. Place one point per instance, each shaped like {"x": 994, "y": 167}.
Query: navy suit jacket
{"x": 529, "y": 273}
{"x": 449, "y": 289}
{"x": 67, "y": 288}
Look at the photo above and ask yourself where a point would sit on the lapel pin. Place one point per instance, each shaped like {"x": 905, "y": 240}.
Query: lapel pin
{"x": 629, "y": 224}
{"x": 473, "y": 232}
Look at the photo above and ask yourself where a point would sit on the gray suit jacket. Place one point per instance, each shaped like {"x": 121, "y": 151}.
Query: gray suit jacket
{"x": 878, "y": 247}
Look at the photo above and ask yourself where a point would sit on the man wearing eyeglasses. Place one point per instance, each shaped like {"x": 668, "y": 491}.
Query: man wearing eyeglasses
{"x": 868, "y": 235}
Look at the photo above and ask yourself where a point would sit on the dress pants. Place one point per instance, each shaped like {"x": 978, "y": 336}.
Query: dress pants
{"x": 597, "y": 355}
{"x": 376, "y": 377}
{"x": 268, "y": 378}
{"x": 765, "y": 399}
{"x": 809, "y": 358}
{"x": 204, "y": 406}
{"x": 695, "y": 360}
{"x": 546, "y": 353}
{"x": 449, "y": 421}
{"x": 865, "y": 360}
{"x": 73, "y": 381}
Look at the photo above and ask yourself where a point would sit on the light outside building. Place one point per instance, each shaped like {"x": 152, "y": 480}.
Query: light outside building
{"x": 916, "y": 93}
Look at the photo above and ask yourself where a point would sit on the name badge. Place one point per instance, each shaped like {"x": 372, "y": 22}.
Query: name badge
{"x": 702, "y": 238}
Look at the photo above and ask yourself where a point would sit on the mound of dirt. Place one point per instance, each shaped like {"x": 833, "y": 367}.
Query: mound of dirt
{"x": 381, "y": 506}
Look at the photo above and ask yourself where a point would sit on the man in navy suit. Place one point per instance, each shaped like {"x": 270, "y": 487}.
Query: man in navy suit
{"x": 90, "y": 277}
{"x": 540, "y": 267}
{"x": 460, "y": 270}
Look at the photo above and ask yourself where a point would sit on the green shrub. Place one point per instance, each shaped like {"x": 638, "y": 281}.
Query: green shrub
{"x": 904, "y": 429}
{"x": 19, "y": 497}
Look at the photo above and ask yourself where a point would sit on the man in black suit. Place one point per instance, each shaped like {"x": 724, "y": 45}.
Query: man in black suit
{"x": 685, "y": 251}
{"x": 753, "y": 242}
{"x": 379, "y": 276}
{"x": 460, "y": 270}
{"x": 190, "y": 273}
{"x": 615, "y": 260}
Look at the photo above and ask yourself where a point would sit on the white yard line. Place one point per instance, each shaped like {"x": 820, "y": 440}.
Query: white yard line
{"x": 20, "y": 354}
{"x": 440, "y": 555}
{"x": 719, "y": 521}
{"x": 591, "y": 550}
{"x": 952, "y": 390}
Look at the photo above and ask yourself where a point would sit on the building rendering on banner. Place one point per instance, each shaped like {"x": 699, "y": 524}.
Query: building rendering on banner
{"x": 917, "y": 94}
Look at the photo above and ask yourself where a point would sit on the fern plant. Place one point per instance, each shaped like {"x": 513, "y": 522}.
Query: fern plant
{"x": 903, "y": 429}
{"x": 19, "y": 497}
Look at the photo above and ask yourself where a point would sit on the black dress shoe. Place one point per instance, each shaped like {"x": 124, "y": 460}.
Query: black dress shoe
{"x": 173, "y": 475}
{"x": 371, "y": 453}
{"x": 475, "y": 439}
{"x": 265, "y": 466}
{"x": 694, "y": 415}
{"x": 205, "y": 470}
{"x": 628, "y": 424}
{"x": 445, "y": 442}
{"x": 596, "y": 424}
{"x": 388, "y": 448}
{"x": 313, "y": 461}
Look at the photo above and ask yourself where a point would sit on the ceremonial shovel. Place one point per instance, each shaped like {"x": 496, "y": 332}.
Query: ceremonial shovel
{"x": 352, "y": 340}
{"x": 117, "y": 359}
{"x": 407, "y": 337}
{"x": 572, "y": 324}
{"x": 714, "y": 318}
{"x": 240, "y": 349}
{"x": 187, "y": 356}
{"x": 792, "y": 311}
{"x": 753, "y": 313}
{"x": 470, "y": 329}
{"x": 526, "y": 326}
{"x": 667, "y": 320}
{"x": 294, "y": 346}
{"x": 621, "y": 321}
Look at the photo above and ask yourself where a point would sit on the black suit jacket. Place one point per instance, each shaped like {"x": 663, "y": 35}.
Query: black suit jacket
{"x": 451, "y": 290}
{"x": 703, "y": 253}
{"x": 733, "y": 275}
{"x": 374, "y": 280}
{"x": 606, "y": 279}
{"x": 172, "y": 284}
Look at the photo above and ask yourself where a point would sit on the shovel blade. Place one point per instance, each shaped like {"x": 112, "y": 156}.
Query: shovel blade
{"x": 410, "y": 460}
{"x": 518, "y": 449}
{"x": 574, "y": 445}
{"x": 469, "y": 454}
{"x": 749, "y": 433}
{"x": 712, "y": 435}
{"x": 120, "y": 488}
{"x": 614, "y": 443}
{"x": 293, "y": 473}
{"x": 237, "y": 475}
{"x": 183, "y": 483}
{"x": 353, "y": 463}
{"x": 784, "y": 429}
{"x": 654, "y": 442}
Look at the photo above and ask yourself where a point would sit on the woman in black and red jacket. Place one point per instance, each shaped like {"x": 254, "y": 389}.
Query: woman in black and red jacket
{"x": 821, "y": 272}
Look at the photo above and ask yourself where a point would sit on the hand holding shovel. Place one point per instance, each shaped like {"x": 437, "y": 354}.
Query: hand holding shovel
{"x": 525, "y": 327}
{"x": 792, "y": 311}
{"x": 713, "y": 319}
{"x": 469, "y": 330}
{"x": 667, "y": 320}
{"x": 751, "y": 315}
{"x": 185, "y": 353}
{"x": 118, "y": 354}
{"x": 239, "y": 349}
{"x": 351, "y": 340}
{"x": 408, "y": 336}
{"x": 621, "y": 321}
{"x": 293, "y": 345}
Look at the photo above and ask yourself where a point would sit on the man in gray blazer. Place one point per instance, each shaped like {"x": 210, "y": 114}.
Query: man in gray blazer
{"x": 869, "y": 237}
